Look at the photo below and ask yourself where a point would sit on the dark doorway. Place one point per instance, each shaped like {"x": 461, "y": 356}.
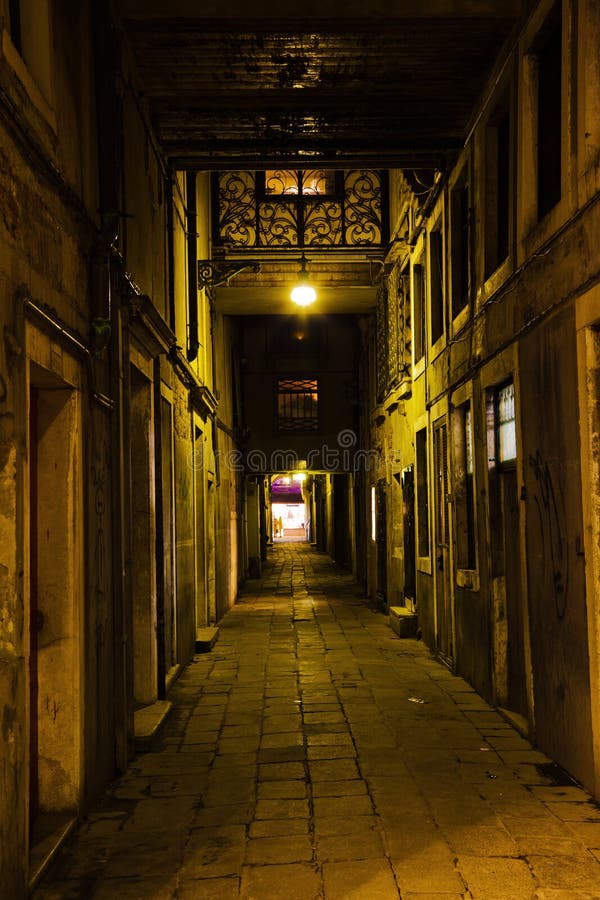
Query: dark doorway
{"x": 381, "y": 538}
{"x": 509, "y": 664}
{"x": 341, "y": 521}
{"x": 442, "y": 543}
{"x": 408, "y": 529}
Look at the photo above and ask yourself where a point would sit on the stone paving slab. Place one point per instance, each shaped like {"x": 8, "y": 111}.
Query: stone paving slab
{"x": 296, "y": 764}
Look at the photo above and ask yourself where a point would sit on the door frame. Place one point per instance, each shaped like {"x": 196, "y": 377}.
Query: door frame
{"x": 439, "y": 417}
{"x": 51, "y": 370}
{"x": 588, "y": 359}
{"x": 504, "y": 367}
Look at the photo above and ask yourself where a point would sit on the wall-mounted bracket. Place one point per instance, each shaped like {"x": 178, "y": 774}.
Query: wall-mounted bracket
{"x": 213, "y": 273}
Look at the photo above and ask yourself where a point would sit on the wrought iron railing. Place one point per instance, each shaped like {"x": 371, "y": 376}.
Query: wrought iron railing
{"x": 287, "y": 209}
{"x": 393, "y": 333}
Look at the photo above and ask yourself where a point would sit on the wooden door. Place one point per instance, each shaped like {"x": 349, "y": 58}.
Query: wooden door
{"x": 516, "y": 699}
{"x": 442, "y": 543}
{"x": 409, "y": 536}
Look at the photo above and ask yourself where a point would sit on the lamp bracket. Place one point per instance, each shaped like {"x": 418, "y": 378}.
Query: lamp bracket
{"x": 214, "y": 274}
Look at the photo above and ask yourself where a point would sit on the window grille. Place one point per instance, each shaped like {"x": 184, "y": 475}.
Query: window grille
{"x": 297, "y": 404}
{"x": 288, "y": 208}
{"x": 506, "y": 433}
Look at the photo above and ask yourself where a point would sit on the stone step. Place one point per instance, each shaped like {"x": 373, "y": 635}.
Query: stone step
{"x": 206, "y": 638}
{"x": 403, "y": 622}
{"x": 148, "y": 721}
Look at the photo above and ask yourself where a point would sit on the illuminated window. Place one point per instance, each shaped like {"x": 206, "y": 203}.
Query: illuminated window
{"x": 506, "y": 433}
{"x": 297, "y": 404}
{"x": 312, "y": 182}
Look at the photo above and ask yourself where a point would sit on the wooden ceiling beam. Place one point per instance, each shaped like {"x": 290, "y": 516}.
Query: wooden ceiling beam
{"x": 316, "y": 10}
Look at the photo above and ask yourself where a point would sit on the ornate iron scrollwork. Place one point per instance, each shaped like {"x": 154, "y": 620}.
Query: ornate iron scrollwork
{"x": 278, "y": 224}
{"x": 362, "y": 207}
{"x": 300, "y": 208}
{"x": 213, "y": 274}
{"x": 381, "y": 343}
{"x": 237, "y": 209}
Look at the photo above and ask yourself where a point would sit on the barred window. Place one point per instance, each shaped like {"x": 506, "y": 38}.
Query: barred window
{"x": 297, "y": 404}
{"x": 506, "y": 434}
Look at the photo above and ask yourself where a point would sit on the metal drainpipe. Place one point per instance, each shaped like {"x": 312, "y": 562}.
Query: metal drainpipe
{"x": 161, "y": 662}
{"x": 170, "y": 251}
{"x": 122, "y": 519}
{"x": 192, "y": 256}
{"x": 118, "y": 548}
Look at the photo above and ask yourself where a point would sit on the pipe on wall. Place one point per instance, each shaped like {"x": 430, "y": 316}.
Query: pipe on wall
{"x": 192, "y": 257}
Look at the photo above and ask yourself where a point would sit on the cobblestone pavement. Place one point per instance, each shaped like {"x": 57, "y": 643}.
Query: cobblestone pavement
{"x": 313, "y": 754}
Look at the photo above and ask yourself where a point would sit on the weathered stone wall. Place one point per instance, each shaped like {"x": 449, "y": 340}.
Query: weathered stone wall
{"x": 520, "y": 627}
{"x": 48, "y": 198}
{"x": 56, "y": 172}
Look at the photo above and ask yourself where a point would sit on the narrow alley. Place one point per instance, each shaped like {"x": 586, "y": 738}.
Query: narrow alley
{"x": 313, "y": 753}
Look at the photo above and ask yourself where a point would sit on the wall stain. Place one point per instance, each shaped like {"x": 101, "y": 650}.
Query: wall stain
{"x": 551, "y": 517}
{"x": 99, "y": 479}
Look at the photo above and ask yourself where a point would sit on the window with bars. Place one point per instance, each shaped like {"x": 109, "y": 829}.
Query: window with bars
{"x": 297, "y": 404}
{"x": 506, "y": 430}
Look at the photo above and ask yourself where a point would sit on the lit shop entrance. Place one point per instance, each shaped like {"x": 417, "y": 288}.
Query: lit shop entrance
{"x": 289, "y": 521}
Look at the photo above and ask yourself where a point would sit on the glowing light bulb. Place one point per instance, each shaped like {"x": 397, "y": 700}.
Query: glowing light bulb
{"x": 304, "y": 294}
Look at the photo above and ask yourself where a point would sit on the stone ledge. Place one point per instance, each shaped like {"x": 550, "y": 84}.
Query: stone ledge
{"x": 403, "y": 622}
{"x": 206, "y": 638}
{"x": 148, "y": 721}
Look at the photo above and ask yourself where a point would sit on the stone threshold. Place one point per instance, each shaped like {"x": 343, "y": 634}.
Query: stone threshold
{"x": 44, "y": 850}
{"x": 206, "y": 638}
{"x": 403, "y": 622}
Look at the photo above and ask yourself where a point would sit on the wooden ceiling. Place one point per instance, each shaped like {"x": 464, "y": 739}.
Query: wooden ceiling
{"x": 386, "y": 83}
